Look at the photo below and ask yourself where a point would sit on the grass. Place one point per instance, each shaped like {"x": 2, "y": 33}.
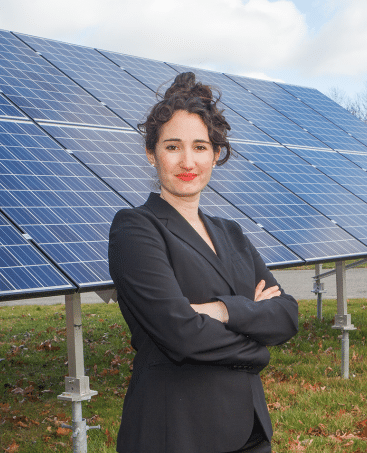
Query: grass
{"x": 312, "y": 408}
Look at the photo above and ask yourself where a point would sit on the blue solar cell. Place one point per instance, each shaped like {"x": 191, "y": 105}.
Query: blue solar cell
{"x": 310, "y": 184}
{"x": 105, "y": 80}
{"x": 119, "y": 158}
{"x": 9, "y": 110}
{"x": 154, "y": 74}
{"x": 255, "y": 110}
{"x": 330, "y": 110}
{"x": 298, "y": 225}
{"x": 340, "y": 168}
{"x": 23, "y": 270}
{"x": 358, "y": 158}
{"x": 272, "y": 252}
{"x": 43, "y": 92}
{"x": 300, "y": 113}
{"x": 61, "y": 205}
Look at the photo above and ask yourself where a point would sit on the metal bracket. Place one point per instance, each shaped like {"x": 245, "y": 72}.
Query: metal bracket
{"x": 77, "y": 389}
{"x": 108, "y": 295}
{"x": 343, "y": 322}
{"x": 318, "y": 288}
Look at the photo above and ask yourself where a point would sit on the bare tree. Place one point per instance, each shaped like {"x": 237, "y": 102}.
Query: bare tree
{"x": 357, "y": 106}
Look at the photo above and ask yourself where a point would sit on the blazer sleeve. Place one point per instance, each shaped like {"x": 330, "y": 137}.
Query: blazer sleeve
{"x": 270, "y": 321}
{"x": 144, "y": 278}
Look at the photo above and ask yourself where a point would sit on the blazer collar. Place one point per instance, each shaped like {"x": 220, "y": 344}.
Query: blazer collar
{"x": 179, "y": 226}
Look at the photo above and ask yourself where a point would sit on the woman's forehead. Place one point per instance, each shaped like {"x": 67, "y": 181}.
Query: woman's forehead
{"x": 184, "y": 126}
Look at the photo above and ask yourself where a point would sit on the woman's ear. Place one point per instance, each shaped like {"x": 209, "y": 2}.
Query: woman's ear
{"x": 150, "y": 157}
{"x": 216, "y": 157}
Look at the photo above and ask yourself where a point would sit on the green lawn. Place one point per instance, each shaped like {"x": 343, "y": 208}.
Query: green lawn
{"x": 312, "y": 408}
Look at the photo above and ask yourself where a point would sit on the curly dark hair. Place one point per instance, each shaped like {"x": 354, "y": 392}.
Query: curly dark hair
{"x": 187, "y": 94}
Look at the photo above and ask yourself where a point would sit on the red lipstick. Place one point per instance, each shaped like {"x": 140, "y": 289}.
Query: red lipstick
{"x": 187, "y": 176}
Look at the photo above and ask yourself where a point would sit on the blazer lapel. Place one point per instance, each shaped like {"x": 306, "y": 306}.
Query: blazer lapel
{"x": 179, "y": 226}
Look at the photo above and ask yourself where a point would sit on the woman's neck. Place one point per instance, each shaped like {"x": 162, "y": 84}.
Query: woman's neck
{"x": 188, "y": 207}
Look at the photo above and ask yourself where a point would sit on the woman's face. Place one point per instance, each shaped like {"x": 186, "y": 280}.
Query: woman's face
{"x": 184, "y": 157}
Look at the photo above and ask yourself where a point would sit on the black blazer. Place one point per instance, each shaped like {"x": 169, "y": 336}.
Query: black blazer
{"x": 195, "y": 383}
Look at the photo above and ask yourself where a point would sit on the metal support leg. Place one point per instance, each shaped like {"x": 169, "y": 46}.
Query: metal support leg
{"x": 345, "y": 355}
{"x": 318, "y": 289}
{"x": 76, "y": 384}
{"x": 342, "y": 318}
{"x": 79, "y": 429}
{"x": 319, "y": 286}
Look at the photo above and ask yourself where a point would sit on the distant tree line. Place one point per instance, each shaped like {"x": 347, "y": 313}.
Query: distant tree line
{"x": 357, "y": 106}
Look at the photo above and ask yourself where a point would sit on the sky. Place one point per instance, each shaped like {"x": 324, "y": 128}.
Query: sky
{"x": 314, "y": 43}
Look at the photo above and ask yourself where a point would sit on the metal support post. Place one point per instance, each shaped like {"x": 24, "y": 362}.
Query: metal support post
{"x": 342, "y": 318}
{"x": 76, "y": 384}
{"x": 318, "y": 289}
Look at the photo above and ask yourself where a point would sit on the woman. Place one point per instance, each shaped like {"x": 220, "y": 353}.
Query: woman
{"x": 198, "y": 298}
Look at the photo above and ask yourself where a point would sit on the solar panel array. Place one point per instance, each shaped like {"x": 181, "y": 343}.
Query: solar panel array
{"x": 71, "y": 156}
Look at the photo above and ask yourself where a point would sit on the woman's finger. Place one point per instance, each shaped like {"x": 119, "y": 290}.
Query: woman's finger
{"x": 269, "y": 293}
{"x": 259, "y": 288}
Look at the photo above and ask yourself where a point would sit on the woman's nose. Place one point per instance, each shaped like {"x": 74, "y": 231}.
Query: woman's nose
{"x": 187, "y": 161}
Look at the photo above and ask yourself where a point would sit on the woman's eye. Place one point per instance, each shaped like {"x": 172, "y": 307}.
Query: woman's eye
{"x": 200, "y": 148}
{"x": 171, "y": 147}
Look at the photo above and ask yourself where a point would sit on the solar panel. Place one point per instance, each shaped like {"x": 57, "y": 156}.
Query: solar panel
{"x": 158, "y": 76}
{"x": 8, "y": 110}
{"x": 314, "y": 187}
{"x": 43, "y": 92}
{"x": 255, "y": 110}
{"x": 340, "y": 168}
{"x": 272, "y": 252}
{"x": 358, "y": 158}
{"x": 330, "y": 110}
{"x": 23, "y": 268}
{"x": 90, "y": 100}
{"x": 154, "y": 74}
{"x": 65, "y": 209}
{"x": 300, "y": 113}
{"x": 118, "y": 157}
{"x": 110, "y": 84}
{"x": 287, "y": 217}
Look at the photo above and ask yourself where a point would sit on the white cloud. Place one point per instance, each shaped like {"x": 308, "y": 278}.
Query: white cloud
{"x": 341, "y": 45}
{"x": 252, "y": 35}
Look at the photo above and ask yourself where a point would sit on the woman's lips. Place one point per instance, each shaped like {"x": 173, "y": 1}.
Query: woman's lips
{"x": 187, "y": 176}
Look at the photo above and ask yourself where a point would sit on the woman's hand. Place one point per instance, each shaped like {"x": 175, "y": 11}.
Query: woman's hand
{"x": 269, "y": 293}
{"x": 216, "y": 310}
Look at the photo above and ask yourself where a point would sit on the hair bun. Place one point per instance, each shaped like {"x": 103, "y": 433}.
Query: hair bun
{"x": 185, "y": 85}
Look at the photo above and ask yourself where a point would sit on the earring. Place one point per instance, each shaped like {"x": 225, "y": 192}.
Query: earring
{"x": 213, "y": 165}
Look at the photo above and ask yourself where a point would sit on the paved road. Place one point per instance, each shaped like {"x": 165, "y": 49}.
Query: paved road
{"x": 298, "y": 283}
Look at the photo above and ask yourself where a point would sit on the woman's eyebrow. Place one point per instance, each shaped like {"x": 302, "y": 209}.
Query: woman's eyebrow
{"x": 198, "y": 140}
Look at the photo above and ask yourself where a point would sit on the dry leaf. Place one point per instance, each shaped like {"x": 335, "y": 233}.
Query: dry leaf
{"x": 12, "y": 448}
{"x": 109, "y": 441}
{"x": 63, "y": 431}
